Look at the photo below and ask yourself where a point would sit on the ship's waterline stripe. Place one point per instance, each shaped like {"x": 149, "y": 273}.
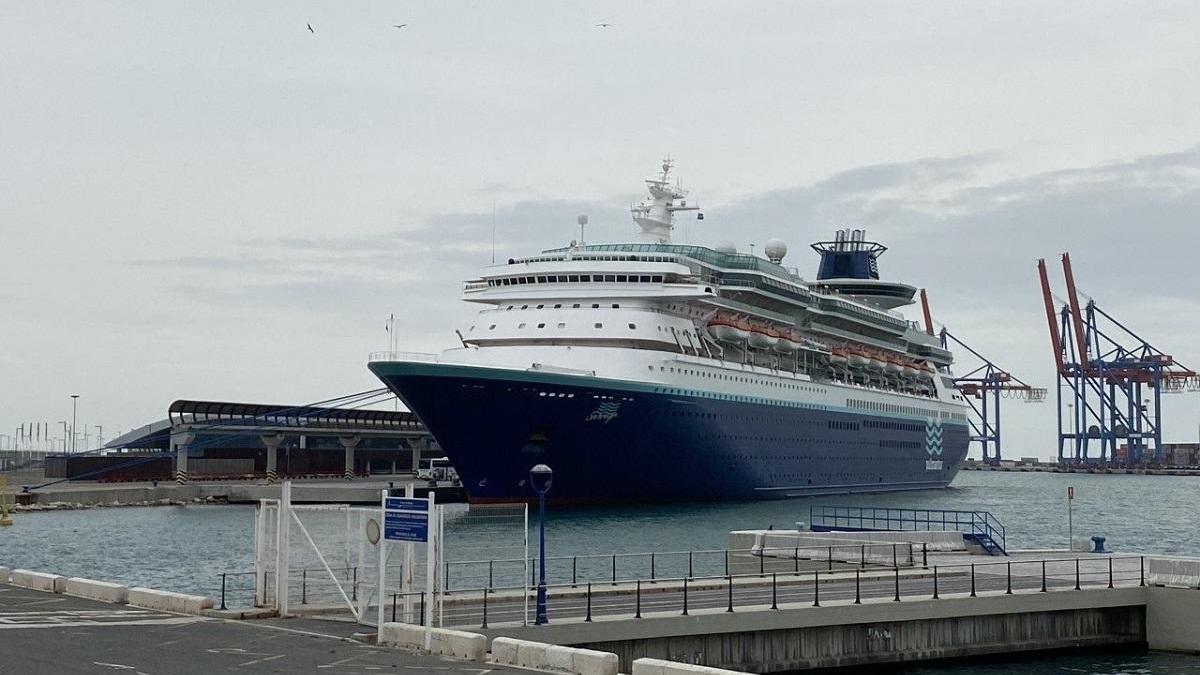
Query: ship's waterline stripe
{"x": 413, "y": 368}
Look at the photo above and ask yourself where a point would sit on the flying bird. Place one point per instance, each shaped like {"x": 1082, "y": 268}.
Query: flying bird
{"x": 604, "y": 25}
{"x": 310, "y": 28}
{"x": 399, "y": 25}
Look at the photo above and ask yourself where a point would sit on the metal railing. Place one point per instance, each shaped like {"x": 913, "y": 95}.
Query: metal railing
{"x": 402, "y": 356}
{"x": 898, "y": 519}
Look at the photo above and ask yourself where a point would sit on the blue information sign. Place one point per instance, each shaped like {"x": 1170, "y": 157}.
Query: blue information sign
{"x": 405, "y": 519}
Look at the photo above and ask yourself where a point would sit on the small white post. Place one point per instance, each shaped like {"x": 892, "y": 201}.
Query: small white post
{"x": 406, "y": 574}
{"x": 282, "y": 530}
{"x": 431, "y": 563}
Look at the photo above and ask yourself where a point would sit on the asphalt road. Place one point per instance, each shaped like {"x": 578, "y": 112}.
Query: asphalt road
{"x": 49, "y": 634}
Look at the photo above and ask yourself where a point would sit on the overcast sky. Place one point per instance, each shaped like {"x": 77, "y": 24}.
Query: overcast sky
{"x": 206, "y": 200}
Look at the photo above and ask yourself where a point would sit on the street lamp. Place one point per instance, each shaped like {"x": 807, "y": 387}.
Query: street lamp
{"x": 74, "y": 401}
{"x": 540, "y": 478}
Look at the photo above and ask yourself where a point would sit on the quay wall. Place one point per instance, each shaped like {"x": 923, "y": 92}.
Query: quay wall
{"x": 872, "y": 633}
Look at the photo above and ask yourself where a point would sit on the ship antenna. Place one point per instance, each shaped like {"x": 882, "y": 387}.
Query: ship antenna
{"x": 582, "y": 220}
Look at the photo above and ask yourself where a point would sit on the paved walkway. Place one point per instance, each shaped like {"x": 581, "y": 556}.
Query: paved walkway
{"x": 49, "y": 634}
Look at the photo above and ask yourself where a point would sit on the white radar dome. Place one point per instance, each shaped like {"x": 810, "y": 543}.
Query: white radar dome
{"x": 775, "y": 250}
{"x": 726, "y": 247}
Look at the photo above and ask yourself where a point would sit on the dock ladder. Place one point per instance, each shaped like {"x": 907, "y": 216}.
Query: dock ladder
{"x": 977, "y": 527}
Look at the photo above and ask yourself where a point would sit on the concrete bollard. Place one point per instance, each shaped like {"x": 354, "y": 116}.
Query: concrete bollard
{"x": 166, "y": 601}
{"x": 661, "y": 667}
{"x": 96, "y": 590}
{"x": 553, "y": 658}
{"x": 454, "y": 643}
{"x": 38, "y": 581}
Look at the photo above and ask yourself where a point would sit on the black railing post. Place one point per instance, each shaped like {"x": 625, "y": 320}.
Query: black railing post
{"x": 830, "y": 566}
{"x": 422, "y": 623}
{"x": 1043, "y": 576}
{"x": 796, "y": 559}
{"x": 588, "y": 618}
{"x": 897, "y": 598}
{"x": 574, "y": 571}
{"x": 637, "y": 613}
{"x": 1110, "y": 577}
{"x": 863, "y": 557}
{"x": 774, "y": 593}
{"x": 972, "y": 580}
{"x": 354, "y": 588}
{"x": 690, "y": 574}
{"x": 816, "y": 588}
{"x": 857, "y": 588}
{"x": 935, "y": 582}
{"x": 485, "y": 594}
{"x": 222, "y": 590}
{"x": 614, "y": 569}
{"x": 762, "y": 562}
{"x": 1077, "y": 574}
{"x": 726, "y": 562}
{"x": 490, "y": 566}
{"x": 1008, "y": 567}
{"x": 651, "y": 567}
{"x": 304, "y": 586}
{"x": 730, "y": 609}
{"x": 685, "y": 597}
{"x": 394, "y": 607}
{"x": 925, "y": 555}
{"x": 895, "y": 562}
{"x": 446, "y": 586}
{"x": 1142, "y": 571}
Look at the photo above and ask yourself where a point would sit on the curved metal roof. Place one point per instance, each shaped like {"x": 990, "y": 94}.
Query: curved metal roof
{"x": 267, "y": 415}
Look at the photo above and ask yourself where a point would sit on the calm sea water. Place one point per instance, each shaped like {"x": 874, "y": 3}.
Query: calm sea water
{"x": 187, "y": 547}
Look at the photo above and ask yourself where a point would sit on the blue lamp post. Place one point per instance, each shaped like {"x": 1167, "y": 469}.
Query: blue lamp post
{"x": 540, "y": 478}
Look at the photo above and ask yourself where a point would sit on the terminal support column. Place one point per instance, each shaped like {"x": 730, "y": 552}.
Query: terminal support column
{"x": 272, "y": 441}
{"x": 349, "y": 443}
{"x": 179, "y": 442}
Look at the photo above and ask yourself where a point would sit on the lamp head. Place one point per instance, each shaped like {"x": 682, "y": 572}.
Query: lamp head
{"x": 540, "y": 478}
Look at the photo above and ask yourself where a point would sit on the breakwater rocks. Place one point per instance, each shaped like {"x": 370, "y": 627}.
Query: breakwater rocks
{"x": 72, "y": 506}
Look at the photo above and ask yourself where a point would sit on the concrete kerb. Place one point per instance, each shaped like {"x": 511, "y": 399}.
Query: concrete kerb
{"x": 554, "y": 658}
{"x": 180, "y": 603}
{"x": 454, "y": 643}
{"x": 96, "y": 590}
{"x": 39, "y": 581}
{"x": 660, "y": 667}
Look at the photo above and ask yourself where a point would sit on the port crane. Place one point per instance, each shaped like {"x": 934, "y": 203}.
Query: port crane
{"x": 1110, "y": 382}
{"x": 983, "y": 388}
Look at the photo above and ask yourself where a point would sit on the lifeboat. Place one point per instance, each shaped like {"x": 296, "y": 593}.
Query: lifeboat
{"x": 786, "y": 342}
{"x": 837, "y": 357}
{"x": 875, "y": 361}
{"x": 858, "y": 358}
{"x": 759, "y": 338}
{"x": 911, "y": 370}
{"x": 892, "y": 366}
{"x": 727, "y": 330}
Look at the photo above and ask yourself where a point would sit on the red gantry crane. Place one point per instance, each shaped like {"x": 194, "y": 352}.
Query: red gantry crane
{"x": 1114, "y": 382}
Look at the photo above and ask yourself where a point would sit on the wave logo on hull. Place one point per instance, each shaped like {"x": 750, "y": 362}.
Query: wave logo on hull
{"x": 933, "y": 437}
{"x": 606, "y": 412}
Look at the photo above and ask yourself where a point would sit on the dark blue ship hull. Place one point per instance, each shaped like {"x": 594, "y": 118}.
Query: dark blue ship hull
{"x": 635, "y": 442}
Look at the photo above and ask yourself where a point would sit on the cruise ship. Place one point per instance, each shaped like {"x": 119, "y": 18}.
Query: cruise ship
{"x": 655, "y": 371}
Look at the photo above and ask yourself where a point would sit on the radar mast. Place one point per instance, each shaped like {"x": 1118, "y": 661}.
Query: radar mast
{"x": 656, "y": 214}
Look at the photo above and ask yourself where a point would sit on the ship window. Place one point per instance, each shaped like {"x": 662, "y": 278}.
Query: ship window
{"x": 599, "y": 325}
{"x": 541, "y": 306}
{"x": 645, "y": 280}
{"x": 595, "y": 306}
{"x": 585, "y": 277}
{"x": 557, "y": 306}
{"x": 616, "y": 306}
{"x": 657, "y": 278}
{"x": 576, "y": 305}
{"x": 633, "y": 326}
{"x": 621, "y": 278}
{"x": 520, "y": 280}
{"x": 508, "y": 309}
{"x": 573, "y": 277}
{"x": 541, "y": 325}
{"x": 562, "y": 325}
{"x": 541, "y": 280}
{"x": 524, "y": 306}
{"x": 492, "y": 327}
{"x": 520, "y": 325}
{"x": 562, "y": 279}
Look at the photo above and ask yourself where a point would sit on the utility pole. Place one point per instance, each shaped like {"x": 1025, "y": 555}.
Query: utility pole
{"x": 100, "y": 435}
{"x": 74, "y": 401}
{"x": 65, "y": 436}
